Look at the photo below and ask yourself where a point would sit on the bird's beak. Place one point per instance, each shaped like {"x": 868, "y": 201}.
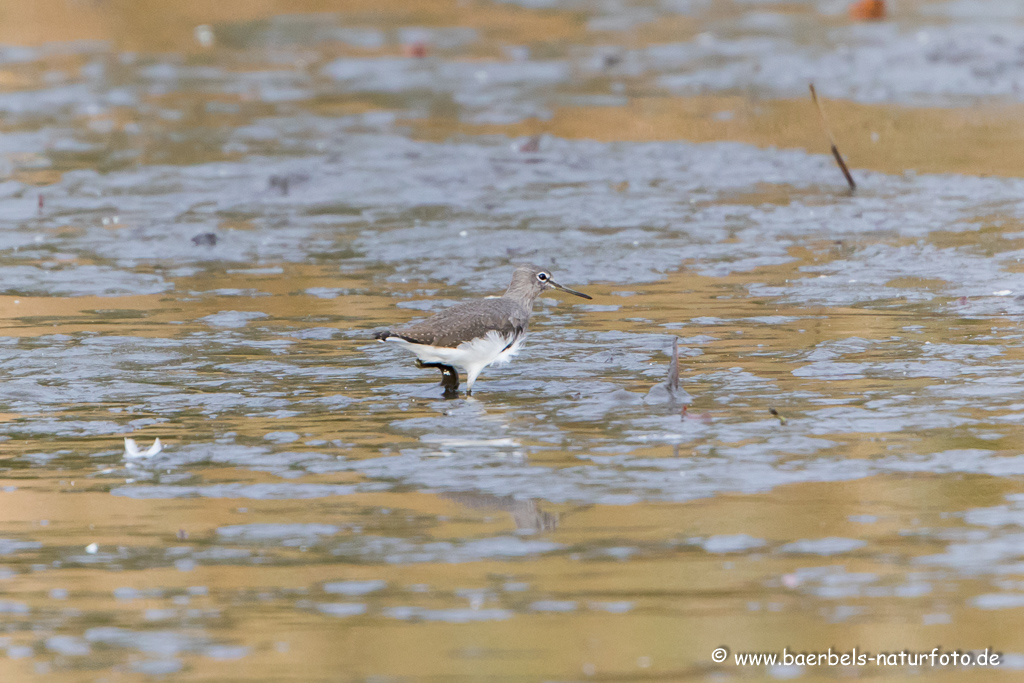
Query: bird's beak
{"x": 570, "y": 291}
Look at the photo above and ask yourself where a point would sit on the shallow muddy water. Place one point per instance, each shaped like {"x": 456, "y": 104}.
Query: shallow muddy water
{"x": 208, "y": 212}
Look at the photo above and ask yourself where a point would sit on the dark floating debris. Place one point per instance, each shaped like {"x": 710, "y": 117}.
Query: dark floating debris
{"x": 284, "y": 183}
{"x": 782, "y": 421}
{"x": 531, "y": 144}
{"x": 416, "y": 50}
{"x": 669, "y": 391}
{"x": 611, "y": 60}
{"x": 832, "y": 141}
{"x": 205, "y": 239}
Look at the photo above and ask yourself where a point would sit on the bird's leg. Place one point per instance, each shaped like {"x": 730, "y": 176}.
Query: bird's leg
{"x": 450, "y": 381}
{"x": 449, "y": 377}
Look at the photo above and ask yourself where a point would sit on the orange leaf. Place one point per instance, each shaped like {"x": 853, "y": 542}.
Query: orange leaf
{"x": 867, "y": 10}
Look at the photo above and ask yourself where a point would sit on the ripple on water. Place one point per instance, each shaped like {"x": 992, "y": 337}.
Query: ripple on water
{"x": 735, "y": 543}
{"x": 72, "y": 646}
{"x": 83, "y": 280}
{"x": 990, "y": 601}
{"x": 354, "y": 587}
{"x": 341, "y": 609}
{"x": 232, "y": 319}
{"x": 286, "y": 534}
{"x": 10, "y": 546}
{"x": 553, "y": 606}
{"x": 823, "y": 546}
{"x": 401, "y": 551}
{"x": 453, "y": 616}
{"x": 162, "y": 643}
{"x": 252, "y": 491}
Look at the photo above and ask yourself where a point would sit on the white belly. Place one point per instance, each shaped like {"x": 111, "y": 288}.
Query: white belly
{"x": 471, "y": 356}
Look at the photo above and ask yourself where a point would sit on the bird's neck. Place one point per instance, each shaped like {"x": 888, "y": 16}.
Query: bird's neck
{"x": 523, "y": 299}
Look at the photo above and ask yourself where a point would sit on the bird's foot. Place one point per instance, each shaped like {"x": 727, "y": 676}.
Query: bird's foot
{"x": 450, "y": 381}
{"x": 449, "y": 377}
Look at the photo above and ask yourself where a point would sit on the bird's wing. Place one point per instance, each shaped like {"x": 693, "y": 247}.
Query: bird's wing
{"x": 464, "y": 322}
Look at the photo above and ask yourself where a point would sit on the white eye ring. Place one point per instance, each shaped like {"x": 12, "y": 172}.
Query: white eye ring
{"x": 543, "y": 277}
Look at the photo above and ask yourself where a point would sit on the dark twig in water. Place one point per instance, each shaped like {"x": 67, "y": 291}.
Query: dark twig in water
{"x": 775, "y": 413}
{"x": 832, "y": 140}
{"x": 669, "y": 391}
{"x": 673, "y": 368}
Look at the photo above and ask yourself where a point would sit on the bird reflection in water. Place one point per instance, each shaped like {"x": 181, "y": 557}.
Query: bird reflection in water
{"x": 526, "y": 512}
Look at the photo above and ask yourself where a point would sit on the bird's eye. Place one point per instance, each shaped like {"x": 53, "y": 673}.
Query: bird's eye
{"x": 543, "y": 277}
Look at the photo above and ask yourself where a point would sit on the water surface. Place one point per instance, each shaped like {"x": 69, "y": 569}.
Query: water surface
{"x": 207, "y": 212}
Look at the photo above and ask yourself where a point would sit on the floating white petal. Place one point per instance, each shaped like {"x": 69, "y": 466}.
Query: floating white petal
{"x": 131, "y": 449}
